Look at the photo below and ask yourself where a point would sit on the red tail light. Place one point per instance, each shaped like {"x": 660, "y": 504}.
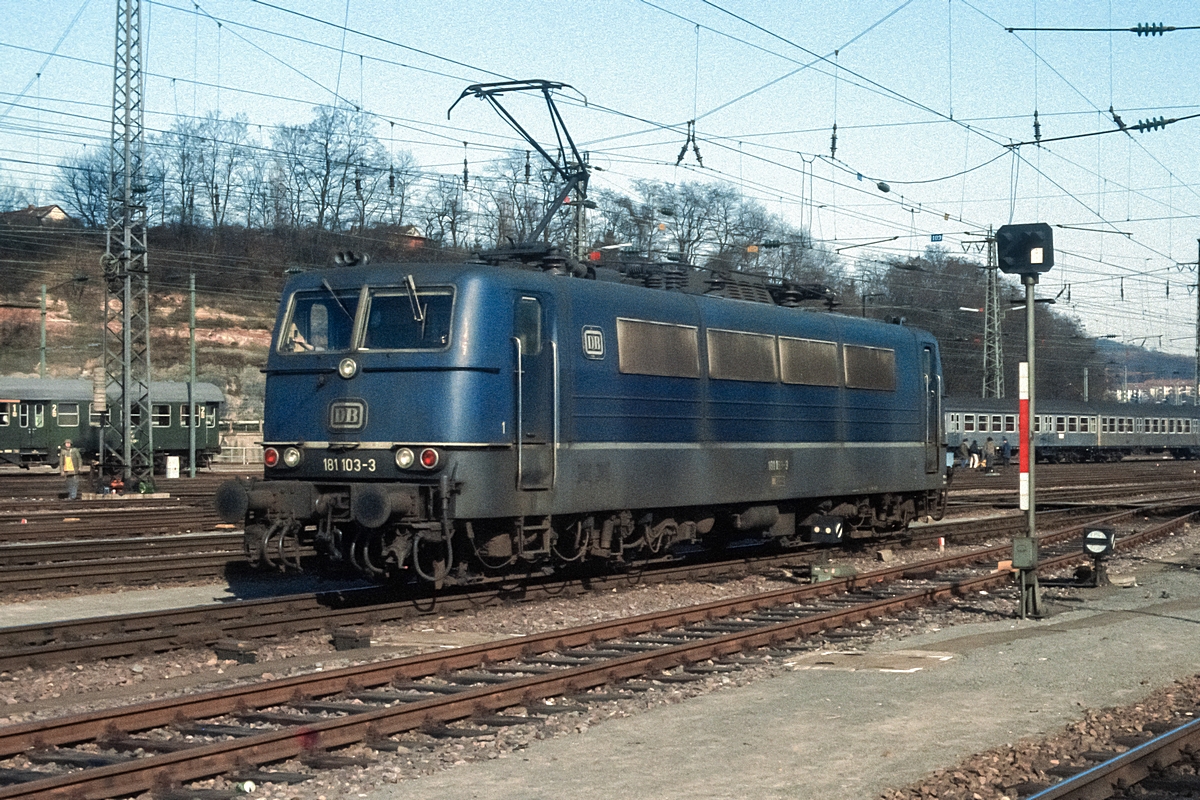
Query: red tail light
{"x": 429, "y": 458}
{"x": 270, "y": 456}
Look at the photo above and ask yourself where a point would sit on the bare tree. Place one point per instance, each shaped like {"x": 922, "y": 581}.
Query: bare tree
{"x": 83, "y": 185}
{"x": 445, "y": 215}
{"x": 402, "y": 174}
{"x": 287, "y": 175}
{"x": 178, "y": 153}
{"x": 221, "y": 156}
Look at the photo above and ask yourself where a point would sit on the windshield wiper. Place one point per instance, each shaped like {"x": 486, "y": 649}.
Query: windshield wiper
{"x": 337, "y": 299}
{"x": 415, "y": 302}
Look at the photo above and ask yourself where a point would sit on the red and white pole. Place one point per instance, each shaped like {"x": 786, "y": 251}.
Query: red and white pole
{"x": 1026, "y": 436}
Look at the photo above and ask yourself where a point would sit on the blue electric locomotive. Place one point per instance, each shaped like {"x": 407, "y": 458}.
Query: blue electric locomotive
{"x": 469, "y": 421}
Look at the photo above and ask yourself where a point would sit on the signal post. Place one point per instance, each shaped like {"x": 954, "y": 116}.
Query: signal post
{"x": 1027, "y": 250}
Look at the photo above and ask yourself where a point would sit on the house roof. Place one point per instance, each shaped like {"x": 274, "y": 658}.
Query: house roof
{"x": 36, "y": 216}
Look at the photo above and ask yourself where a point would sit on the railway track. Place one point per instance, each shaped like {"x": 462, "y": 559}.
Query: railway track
{"x": 1162, "y": 766}
{"x": 247, "y": 621}
{"x": 463, "y": 692}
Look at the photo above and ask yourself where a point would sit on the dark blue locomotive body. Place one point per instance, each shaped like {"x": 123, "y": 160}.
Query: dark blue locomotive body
{"x": 471, "y": 420}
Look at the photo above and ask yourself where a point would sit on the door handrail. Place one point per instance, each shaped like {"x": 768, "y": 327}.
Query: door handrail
{"x": 554, "y": 443}
{"x": 520, "y": 413}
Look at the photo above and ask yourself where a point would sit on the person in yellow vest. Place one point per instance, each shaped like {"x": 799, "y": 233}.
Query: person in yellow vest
{"x": 70, "y": 464}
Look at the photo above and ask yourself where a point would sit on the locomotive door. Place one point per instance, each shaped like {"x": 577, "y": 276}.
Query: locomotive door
{"x": 933, "y": 411}
{"x": 535, "y": 373}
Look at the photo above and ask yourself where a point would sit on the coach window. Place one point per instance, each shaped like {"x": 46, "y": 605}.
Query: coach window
{"x": 735, "y": 356}
{"x": 955, "y": 424}
{"x": 4, "y": 412}
{"x": 658, "y": 348}
{"x": 1010, "y": 423}
{"x": 1072, "y": 424}
{"x": 68, "y": 415}
{"x": 996, "y": 424}
{"x": 1086, "y": 425}
{"x": 210, "y": 421}
{"x": 95, "y": 418}
{"x": 39, "y": 416}
{"x": 969, "y": 423}
{"x": 160, "y": 415}
{"x": 1060, "y": 424}
{"x": 808, "y": 361}
{"x": 869, "y": 367}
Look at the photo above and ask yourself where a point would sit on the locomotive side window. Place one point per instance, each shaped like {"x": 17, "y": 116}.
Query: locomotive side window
{"x": 319, "y": 320}
{"x": 397, "y": 321}
{"x": 870, "y": 367}
{"x": 68, "y": 415}
{"x": 658, "y": 348}
{"x": 809, "y": 361}
{"x": 527, "y": 325}
{"x": 734, "y": 356}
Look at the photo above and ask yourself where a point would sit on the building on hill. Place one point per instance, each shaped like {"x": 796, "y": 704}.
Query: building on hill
{"x": 51, "y": 216}
{"x": 1173, "y": 391}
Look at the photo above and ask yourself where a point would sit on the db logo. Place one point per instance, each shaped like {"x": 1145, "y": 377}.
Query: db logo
{"x": 347, "y": 415}
{"x": 593, "y": 342}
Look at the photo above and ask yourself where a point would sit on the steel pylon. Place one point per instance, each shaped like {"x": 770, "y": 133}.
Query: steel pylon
{"x": 993, "y": 346}
{"x": 128, "y": 444}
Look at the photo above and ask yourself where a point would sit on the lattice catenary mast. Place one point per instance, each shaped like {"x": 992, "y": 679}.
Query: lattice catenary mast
{"x": 993, "y": 347}
{"x": 126, "y": 299}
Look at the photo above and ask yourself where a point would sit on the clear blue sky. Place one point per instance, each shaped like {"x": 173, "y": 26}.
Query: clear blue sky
{"x": 920, "y": 91}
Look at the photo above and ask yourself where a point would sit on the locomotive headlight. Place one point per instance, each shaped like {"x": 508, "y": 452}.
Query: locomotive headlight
{"x": 429, "y": 458}
{"x": 291, "y": 457}
{"x": 405, "y": 458}
{"x": 270, "y": 456}
{"x": 347, "y": 368}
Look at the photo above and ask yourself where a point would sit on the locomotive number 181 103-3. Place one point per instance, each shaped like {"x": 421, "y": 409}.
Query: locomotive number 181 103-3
{"x": 349, "y": 464}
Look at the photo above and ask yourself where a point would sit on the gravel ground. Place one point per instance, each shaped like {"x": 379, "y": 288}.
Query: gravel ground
{"x": 1027, "y": 766}
{"x": 37, "y": 693}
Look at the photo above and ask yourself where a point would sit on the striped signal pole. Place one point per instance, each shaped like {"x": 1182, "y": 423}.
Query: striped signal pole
{"x": 1025, "y": 555}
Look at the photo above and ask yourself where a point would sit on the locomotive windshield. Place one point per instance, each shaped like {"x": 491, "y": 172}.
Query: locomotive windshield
{"x": 321, "y": 320}
{"x": 398, "y": 320}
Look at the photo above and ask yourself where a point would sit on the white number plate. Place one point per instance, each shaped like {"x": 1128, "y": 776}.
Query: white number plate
{"x": 349, "y": 464}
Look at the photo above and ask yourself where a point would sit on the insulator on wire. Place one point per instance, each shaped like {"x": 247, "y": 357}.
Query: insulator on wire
{"x": 833, "y": 142}
{"x": 1037, "y": 128}
{"x": 527, "y": 167}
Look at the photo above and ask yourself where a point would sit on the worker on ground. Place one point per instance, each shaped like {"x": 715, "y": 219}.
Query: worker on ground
{"x": 70, "y": 464}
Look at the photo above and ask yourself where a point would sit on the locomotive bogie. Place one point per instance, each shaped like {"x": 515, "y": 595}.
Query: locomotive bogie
{"x": 480, "y": 419}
